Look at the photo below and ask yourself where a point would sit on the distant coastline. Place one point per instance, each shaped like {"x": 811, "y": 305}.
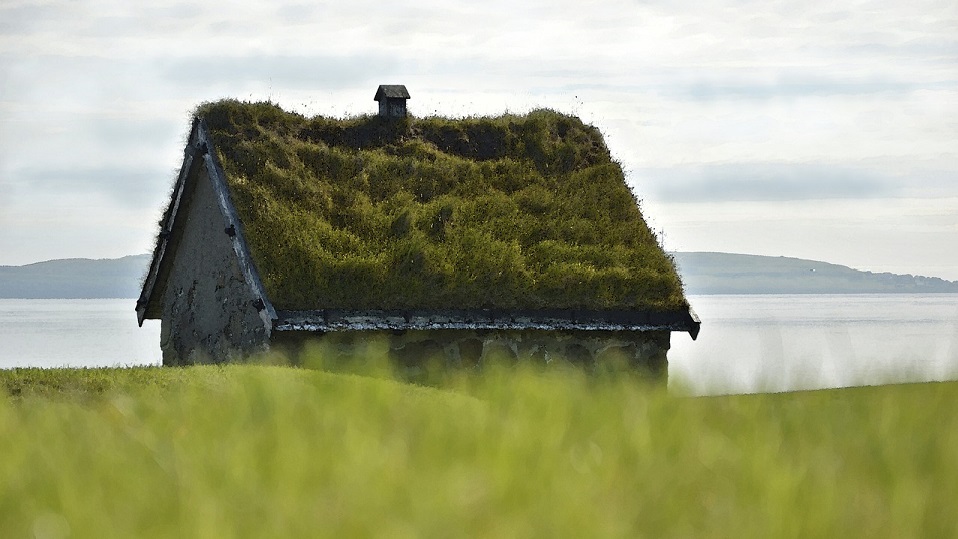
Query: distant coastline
{"x": 703, "y": 273}
{"x": 727, "y": 273}
{"x": 75, "y": 278}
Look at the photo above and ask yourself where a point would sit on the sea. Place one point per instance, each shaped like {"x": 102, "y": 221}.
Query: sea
{"x": 748, "y": 343}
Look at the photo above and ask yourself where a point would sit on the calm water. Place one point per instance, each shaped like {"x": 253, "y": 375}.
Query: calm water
{"x": 75, "y": 333}
{"x": 785, "y": 342}
{"x": 747, "y": 343}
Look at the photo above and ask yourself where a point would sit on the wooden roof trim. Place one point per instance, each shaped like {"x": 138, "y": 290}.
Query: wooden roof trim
{"x": 234, "y": 227}
{"x": 144, "y": 303}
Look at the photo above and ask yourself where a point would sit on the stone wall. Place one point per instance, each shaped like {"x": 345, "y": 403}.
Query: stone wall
{"x": 208, "y": 310}
{"x": 644, "y": 350}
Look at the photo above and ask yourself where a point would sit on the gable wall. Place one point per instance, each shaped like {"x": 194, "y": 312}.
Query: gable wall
{"x": 208, "y": 309}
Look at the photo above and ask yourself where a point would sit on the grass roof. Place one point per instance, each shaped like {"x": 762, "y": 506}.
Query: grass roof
{"x": 523, "y": 212}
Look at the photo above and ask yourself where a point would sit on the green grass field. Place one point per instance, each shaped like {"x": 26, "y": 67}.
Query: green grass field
{"x": 256, "y": 451}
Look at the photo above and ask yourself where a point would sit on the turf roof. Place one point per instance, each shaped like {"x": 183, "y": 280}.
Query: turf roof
{"x": 524, "y": 212}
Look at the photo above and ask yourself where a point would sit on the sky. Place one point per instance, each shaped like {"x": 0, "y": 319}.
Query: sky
{"x": 825, "y": 130}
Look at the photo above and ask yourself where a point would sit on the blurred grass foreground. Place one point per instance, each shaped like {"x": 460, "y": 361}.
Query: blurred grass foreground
{"x": 516, "y": 451}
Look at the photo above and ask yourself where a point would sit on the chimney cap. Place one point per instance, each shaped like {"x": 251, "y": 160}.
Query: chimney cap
{"x": 391, "y": 91}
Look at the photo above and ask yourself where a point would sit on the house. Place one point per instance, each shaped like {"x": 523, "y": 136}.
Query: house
{"x": 459, "y": 240}
{"x": 392, "y": 100}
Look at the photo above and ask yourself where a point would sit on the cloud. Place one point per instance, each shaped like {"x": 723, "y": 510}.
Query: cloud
{"x": 125, "y": 186}
{"x": 784, "y": 182}
{"x": 760, "y": 182}
{"x": 20, "y": 18}
{"x": 285, "y": 71}
{"x": 791, "y": 88}
{"x": 730, "y": 101}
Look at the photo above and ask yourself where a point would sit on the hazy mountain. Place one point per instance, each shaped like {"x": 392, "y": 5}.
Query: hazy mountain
{"x": 725, "y": 273}
{"x": 702, "y": 273}
{"x": 75, "y": 278}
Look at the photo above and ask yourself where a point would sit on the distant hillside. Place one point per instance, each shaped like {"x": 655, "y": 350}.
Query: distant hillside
{"x": 702, "y": 273}
{"x": 75, "y": 278}
{"x": 725, "y": 273}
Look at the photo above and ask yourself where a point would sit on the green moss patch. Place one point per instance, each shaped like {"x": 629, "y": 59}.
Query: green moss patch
{"x": 507, "y": 212}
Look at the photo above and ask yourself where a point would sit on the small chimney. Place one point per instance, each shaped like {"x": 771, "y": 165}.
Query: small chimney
{"x": 392, "y": 100}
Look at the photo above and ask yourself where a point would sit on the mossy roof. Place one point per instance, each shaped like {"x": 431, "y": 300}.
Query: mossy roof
{"x": 507, "y": 212}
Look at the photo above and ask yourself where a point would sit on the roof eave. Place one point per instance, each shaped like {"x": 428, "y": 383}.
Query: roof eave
{"x": 694, "y": 323}
{"x": 487, "y": 319}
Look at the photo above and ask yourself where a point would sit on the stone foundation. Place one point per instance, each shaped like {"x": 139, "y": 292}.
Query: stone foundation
{"x": 592, "y": 350}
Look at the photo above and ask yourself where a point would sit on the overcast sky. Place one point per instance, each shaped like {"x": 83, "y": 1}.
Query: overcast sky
{"x": 816, "y": 129}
